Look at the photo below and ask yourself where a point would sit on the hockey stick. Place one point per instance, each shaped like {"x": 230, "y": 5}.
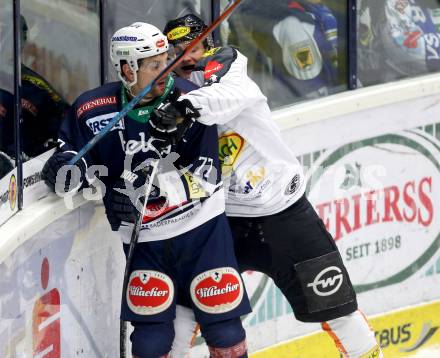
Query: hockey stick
{"x": 138, "y": 221}
{"x": 133, "y": 241}
{"x": 165, "y": 72}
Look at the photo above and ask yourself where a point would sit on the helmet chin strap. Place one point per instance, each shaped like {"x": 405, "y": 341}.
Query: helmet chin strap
{"x": 129, "y": 85}
{"x": 132, "y": 95}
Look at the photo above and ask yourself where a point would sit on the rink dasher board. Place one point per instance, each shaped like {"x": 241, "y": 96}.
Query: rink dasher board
{"x": 409, "y": 332}
{"x": 61, "y": 284}
{"x": 388, "y": 156}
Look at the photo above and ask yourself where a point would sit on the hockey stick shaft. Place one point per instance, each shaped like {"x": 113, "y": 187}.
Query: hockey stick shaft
{"x": 112, "y": 123}
{"x": 165, "y": 72}
{"x": 133, "y": 242}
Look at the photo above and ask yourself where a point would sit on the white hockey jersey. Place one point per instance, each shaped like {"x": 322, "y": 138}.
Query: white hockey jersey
{"x": 261, "y": 174}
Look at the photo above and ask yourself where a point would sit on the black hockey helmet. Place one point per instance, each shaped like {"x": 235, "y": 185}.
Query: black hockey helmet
{"x": 185, "y": 29}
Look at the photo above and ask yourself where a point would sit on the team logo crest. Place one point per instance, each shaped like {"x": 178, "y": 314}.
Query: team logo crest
{"x": 303, "y": 57}
{"x": 149, "y": 292}
{"x": 217, "y": 291}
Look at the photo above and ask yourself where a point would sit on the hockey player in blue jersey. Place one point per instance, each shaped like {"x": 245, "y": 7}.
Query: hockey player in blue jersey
{"x": 275, "y": 228}
{"x": 184, "y": 222}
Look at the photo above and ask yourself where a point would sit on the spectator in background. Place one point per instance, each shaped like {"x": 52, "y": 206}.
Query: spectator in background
{"x": 397, "y": 39}
{"x": 42, "y": 111}
{"x": 293, "y": 48}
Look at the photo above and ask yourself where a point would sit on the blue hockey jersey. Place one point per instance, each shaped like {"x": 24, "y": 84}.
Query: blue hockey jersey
{"x": 190, "y": 175}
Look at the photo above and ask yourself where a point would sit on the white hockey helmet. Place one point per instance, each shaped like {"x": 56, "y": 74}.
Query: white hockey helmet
{"x": 134, "y": 42}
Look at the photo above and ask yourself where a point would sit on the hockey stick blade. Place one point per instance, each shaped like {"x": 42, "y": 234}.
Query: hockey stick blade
{"x": 165, "y": 72}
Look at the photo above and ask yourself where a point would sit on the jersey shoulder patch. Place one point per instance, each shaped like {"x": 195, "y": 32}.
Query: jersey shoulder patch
{"x": 216, "y": 63}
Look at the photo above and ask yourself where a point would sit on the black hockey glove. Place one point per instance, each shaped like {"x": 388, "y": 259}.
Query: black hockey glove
{"x": 126, "y": 198}
{"x": 171, "y": 120}
{"x": 69, "y": 179}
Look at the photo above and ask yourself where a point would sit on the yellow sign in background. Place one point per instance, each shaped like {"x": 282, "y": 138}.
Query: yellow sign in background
{"x": 401, "y": 334}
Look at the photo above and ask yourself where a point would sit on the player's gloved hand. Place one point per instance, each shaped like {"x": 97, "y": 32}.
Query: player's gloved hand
{"x": 126, "y": 198}
{"x": 171, "y": 120}
{"x": 68, "y": 180}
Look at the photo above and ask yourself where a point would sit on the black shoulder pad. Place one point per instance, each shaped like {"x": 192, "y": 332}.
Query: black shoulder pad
{"x": 216, "y": 63}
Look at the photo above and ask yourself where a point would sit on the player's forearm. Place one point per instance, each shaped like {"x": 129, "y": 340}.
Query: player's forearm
{"x": 224, "y": 97}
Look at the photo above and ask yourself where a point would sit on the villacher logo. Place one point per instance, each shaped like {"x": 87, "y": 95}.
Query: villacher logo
{"x": 149, "y": 292}
{"x": 217, "y": 291}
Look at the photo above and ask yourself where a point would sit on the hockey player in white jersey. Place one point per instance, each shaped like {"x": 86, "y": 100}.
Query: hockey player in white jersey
{"x": 275, "y": 228}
